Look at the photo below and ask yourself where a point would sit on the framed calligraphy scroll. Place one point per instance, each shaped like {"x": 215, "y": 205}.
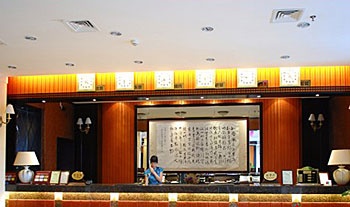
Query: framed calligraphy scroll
{"x": 200, "y": 144}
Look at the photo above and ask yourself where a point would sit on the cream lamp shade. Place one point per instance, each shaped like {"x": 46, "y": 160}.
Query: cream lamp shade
{"x": 340, "y": 157}
{"x": 26, "y": 159}
{"x": 9, "y": 109}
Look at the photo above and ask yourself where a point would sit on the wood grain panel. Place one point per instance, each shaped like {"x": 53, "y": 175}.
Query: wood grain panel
{"x": 319, "y": 76}
{"x": 85, "y": 203}
{"x": 30, "y": 203}
{"x": 281, "y": 134}
{"x": 339, "y": 122}
{"x": 118, "y": 143}
{"x": 57, "y": 123}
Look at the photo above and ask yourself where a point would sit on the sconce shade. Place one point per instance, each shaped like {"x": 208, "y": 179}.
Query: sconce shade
{"x": 88, "y": 120}
{"x": 26, "y": 159}
{"x": 340, "y": 157}
{"x": 320, "y": 117}
{"x": 80, "y": 121}
{"x": 9, "y": 109}
{"x": 312, "y": 117}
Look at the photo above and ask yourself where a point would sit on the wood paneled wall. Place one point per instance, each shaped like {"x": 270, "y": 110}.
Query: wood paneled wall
{"x": 319, "y": 76}
{"x": 118, "y": 143}
{"x": 340, "y": 122}
{"x": 281, "y": 134}
{"x": 58, "y": 123}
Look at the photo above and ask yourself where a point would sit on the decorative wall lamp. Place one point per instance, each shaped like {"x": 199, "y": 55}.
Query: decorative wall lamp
{"x": 9, "y": 111}
{"x": 26, "y": 159}
{"x": 316, "y": 124}
{"x": 340, "y": 157}
{"x": 87, "y": 122}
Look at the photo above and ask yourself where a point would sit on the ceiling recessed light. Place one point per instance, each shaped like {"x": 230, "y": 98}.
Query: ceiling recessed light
{"x": 138, "y": 61}
{"x": 317, "y": 95}
{"x": 32, "y": 38}
{"x": 284, "y": 57}
{"x": 207, "y": 29}
{"x": 43, "y": 101}
{"x": 70, "y": 64}
{"x": 303, "y": 25}
{"x": 94, "y": 99}
{"x": 12, "y": 67}
{"x": 115, "y": 33}
{"x": 210, "y": 59}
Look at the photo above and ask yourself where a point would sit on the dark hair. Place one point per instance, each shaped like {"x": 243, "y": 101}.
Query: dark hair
{"x": 154, "y": 159}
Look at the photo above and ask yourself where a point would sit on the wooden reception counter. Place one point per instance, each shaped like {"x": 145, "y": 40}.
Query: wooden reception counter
{"x": 183, "y": 195}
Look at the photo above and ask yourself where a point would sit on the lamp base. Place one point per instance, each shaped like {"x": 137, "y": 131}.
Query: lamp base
{"x": 26, "y": 175}
{"x": 341, "y": 175}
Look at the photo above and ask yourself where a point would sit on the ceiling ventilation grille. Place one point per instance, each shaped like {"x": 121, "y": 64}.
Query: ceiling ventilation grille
{"x": 2, "y": 43}
{"x": 286, "y": 15}
{"x": 82, "y": 26}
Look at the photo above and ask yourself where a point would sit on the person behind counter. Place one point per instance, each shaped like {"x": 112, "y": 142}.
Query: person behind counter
{"x": 154, "y": 174}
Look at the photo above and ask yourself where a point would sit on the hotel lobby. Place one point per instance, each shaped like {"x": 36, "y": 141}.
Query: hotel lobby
{"x": 245, "y": 103}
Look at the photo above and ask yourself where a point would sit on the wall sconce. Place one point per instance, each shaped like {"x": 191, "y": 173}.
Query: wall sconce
{"x": 313, "y": 121}
{"x": 9, "y": 110}
{"x": 87, "y": 122}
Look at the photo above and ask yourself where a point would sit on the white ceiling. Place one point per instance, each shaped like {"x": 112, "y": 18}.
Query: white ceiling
{"x": 170, "y": 36}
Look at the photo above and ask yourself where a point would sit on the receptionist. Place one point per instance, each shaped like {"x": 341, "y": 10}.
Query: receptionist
{"x": 154, "y": 174}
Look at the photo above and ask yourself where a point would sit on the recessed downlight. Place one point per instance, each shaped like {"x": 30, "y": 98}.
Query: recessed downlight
{"x": 202, "y": 97}
{"x": 207, "y": 29}
{"x": 12, "y": 67}
{"x": 94, "y": 100}
{"x": 43, "y": 101}
{"x": 138, "y": 61}
{"x": 317, "y": 95}
{"x": 70, "y": 64}
{"x": 115, "y": 33}
{"x": 147, "y": 99}
{"x": 284, "y": 57}
{"x": 210, "y": 59}
{"x": 31, "y": 38}
{"x": 303, "y": 25}
{"x": 258, "y": 96}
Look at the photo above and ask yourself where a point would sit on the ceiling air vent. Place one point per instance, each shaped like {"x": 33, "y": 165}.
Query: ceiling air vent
{"x": 2, "y": 43}
{"x": 82, "y": 26}
{"x": 286, "y": 15}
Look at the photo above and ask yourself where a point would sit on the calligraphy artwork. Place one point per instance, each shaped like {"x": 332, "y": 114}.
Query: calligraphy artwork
{"x": 200, "y": 144}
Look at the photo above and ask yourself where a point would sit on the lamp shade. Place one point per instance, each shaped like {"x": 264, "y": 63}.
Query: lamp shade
{"x": 26, "y": 159}
{"x": 312, "y": 117}
{"x": 88, "y": 120}
{"x": 340, "y": 157}
{"x": 80, "y": 121}
{"x": 9, "y": 109}
{"x": 320, "y": 117}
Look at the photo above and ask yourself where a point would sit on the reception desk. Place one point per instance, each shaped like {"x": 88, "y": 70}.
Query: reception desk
{"x": 174, "y": 195}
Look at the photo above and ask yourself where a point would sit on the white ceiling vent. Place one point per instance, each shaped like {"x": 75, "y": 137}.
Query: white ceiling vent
{"x": 286, "y": 15}
{"x": 82, "y": 26}
{"x": 2, "y": 43}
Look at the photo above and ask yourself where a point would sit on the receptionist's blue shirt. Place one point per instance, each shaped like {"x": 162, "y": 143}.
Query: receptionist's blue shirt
{"x": 151, "y": 178}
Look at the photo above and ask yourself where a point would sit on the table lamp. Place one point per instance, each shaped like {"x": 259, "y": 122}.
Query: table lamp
{"x": 26, "y": 159}
{"x": 340, "y": 157}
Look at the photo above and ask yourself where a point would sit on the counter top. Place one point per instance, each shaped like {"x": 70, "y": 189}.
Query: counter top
{"x": 180, "y": 188}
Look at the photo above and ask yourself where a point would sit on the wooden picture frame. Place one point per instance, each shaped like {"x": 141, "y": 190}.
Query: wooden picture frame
{"x": 55, "y": 177}
{"x": 287, "y": 177}
{"x": 42, "y": 177}
{"x": 11, "y": 177}
{"x": 64, "y": 178}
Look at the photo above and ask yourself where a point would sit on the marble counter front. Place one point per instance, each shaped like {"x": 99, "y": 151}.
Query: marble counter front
{"x": 181, "y": 188}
